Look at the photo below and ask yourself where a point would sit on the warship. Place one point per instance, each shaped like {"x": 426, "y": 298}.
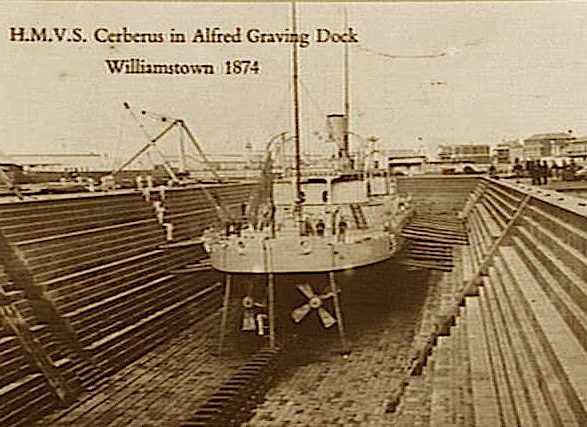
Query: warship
{"x": 330, "y": 216}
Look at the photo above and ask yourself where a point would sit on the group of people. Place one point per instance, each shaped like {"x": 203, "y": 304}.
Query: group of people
{"x": 310, "y": 229}
{"x": 318, "y": 228}
{"x": 539, "y": 171}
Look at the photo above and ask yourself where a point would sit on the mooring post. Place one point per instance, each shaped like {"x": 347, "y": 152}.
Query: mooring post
{"x": 271, "y": 301}
{"x": 338, "y": 312}
{"x": 224, "y": 317}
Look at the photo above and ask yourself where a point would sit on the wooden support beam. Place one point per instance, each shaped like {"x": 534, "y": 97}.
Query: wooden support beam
{"x": 271, "y": 302}
{"x": 431, "y": 233}
{"x": 429, "y": 266}
{"x": 338, "y": 312}
{"x": 37, "y": 352}
{"x": 224, "y": 317}
{"x": 436, "y": 230}
{"x": 434, "y": 239}
{"x": 432, "y": 257}
{"x": 429, "y": 251}
{"x": 487, "y": 259}
{"x": 438, "y": 222}
{"x": 430, "y": 244}
{"x": 441, "y": 228}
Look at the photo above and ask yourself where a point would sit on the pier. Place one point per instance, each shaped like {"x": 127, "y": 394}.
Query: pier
{"x": 110, "y": 315}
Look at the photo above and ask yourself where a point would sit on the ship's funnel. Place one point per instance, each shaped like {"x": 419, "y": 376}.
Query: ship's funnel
{"x": 336, "y": 124}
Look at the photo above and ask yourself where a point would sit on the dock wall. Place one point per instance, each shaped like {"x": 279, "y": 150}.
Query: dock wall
{"x": 438, "y": 193}
{"x": 88, "y": 284}
{"x": 515, "y": 349}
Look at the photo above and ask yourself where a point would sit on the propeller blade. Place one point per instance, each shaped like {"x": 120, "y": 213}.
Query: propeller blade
{"x": 299, "y": 313}
{"x": 306, "y": 289}
{"x": 327, "y": 319}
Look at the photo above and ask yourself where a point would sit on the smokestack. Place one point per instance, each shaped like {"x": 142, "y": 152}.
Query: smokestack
{"x": 336, "y": 125}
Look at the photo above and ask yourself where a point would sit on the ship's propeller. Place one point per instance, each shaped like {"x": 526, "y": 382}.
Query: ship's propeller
{"x": 314, "y": 303}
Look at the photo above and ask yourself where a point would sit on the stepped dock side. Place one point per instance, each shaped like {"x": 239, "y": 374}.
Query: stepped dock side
{"x": 95, "y": 289}
{"x": 523, "y": 303}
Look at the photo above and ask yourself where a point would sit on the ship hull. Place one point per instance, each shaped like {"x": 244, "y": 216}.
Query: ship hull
{"x": 302, "y": 254}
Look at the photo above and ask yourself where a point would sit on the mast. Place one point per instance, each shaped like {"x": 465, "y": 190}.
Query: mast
{"x": 296, "y": 102}
{"x": 347, "y": 102}
{"x": 182, "y": 167}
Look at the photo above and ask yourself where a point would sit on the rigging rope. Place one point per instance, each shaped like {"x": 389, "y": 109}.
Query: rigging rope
{"x": 395, "y": 56}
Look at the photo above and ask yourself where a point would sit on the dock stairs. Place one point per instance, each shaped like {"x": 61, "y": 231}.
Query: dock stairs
{"x": 83, "y": 295}
{"x": 511, "y": 346}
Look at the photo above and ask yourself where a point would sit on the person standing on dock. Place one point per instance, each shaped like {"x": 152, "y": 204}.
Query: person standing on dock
{"x": 554, "y": 170}
{"x": 534, "y": 172}
{"x": 572, "y": 169}
{"x": 518, "y": 169}
{"x": 544, "y": 170}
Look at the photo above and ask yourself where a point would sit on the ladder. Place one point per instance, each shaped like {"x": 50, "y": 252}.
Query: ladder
{"x": 358, "y": 216}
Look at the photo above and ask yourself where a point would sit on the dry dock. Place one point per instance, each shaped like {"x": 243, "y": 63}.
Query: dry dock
{"x": 105, "y": 324}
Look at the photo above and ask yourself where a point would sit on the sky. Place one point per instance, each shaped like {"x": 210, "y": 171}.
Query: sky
{"x": 422, "y": 73}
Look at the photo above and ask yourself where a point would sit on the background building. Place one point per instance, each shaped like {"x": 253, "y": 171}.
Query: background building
{"x": 405, "y": 161}
{"x": 546, "y": 145}
{"x": 577, "y": 148}
{"x": 63, "y": 162}
{"x": 507, "y": 152}
{"x": 467, "y": 153}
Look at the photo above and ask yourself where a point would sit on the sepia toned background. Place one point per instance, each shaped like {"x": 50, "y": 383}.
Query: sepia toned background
{"x": 442, "y": 72}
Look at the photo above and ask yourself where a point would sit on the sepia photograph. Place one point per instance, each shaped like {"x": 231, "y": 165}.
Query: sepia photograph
{"x": 293, "y": 213}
